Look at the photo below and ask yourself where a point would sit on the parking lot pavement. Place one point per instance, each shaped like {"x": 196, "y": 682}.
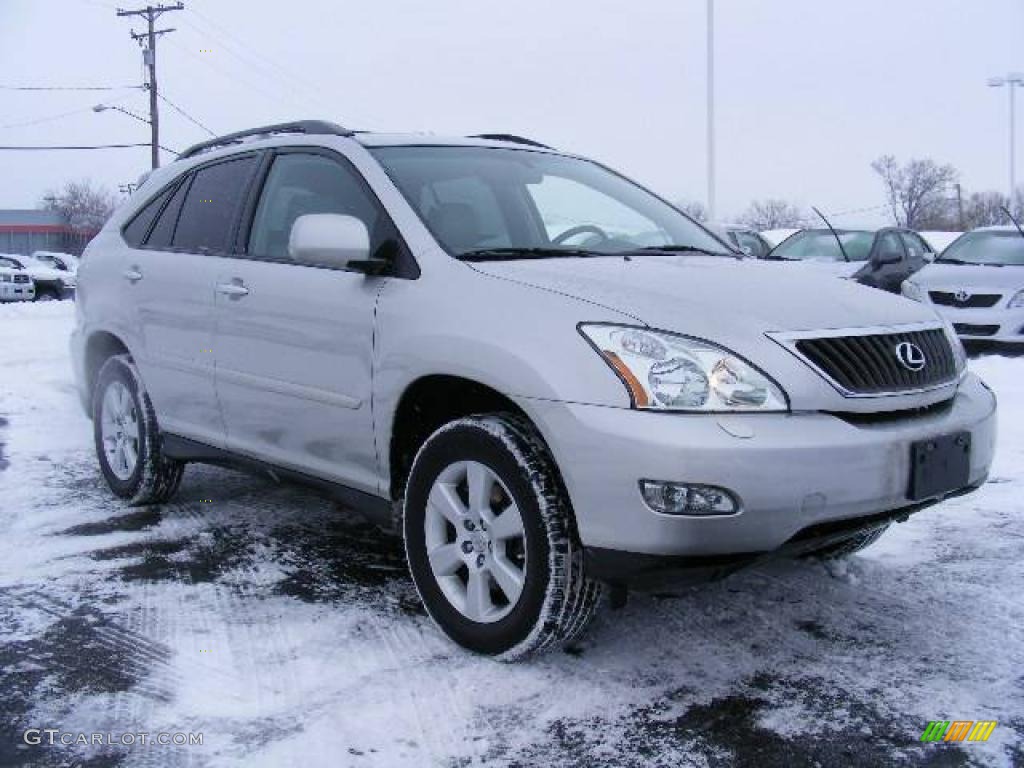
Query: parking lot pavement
{"x": 287, "y": 632}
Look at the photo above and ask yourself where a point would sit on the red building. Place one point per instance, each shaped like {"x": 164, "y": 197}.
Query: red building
{"x": 23, "y": 232}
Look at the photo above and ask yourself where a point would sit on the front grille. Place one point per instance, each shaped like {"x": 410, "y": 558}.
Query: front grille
{"x": 968, "y": 329}
{"x": 868, "y": 365}
{"x": 21, "y": 278}
{"x": 971, "y": 301}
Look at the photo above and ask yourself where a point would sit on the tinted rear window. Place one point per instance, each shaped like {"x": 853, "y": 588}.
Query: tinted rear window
{"x": 208, "y": 214}
{"x": 163, "y": 231}
{"x": 136, "y": 231}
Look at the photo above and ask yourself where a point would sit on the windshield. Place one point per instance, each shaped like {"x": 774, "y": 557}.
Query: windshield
{"x": 821, "y": 245}
{"x": 1004, "y": 248}
{"x": 519, "y": 203}
{"x": 10, "y": 263}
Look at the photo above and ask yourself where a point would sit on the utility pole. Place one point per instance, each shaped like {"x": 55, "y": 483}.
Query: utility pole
{"x": 959, "y": 206}
{"x": 711, "y": 109}
{"x": 151, "y": 13}
{"x": 1011, "y": 81}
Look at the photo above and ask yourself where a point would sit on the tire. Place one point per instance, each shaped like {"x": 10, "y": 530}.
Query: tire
{"x": 850, "y": 546}
{"x": 152, "y": 478}
{"x": 557, "y": 600}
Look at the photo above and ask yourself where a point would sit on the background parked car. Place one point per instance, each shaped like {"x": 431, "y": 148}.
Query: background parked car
{"x": 15, "y": 283}
{"x": 881, "y": 258}
{"x": 50, "y": 283}
{"x": 747, "y": 240}
{"x": 978, "y": 285}
{"x": 776, "y": 236}
{"x": 939, "y": 241}
{"x": 63, "y": 262}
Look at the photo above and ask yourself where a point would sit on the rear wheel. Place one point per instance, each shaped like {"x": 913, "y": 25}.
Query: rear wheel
{"x": 127, "y": 437}
{"x": 490, "y": 540}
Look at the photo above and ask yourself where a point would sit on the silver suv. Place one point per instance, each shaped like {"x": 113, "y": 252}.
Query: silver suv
{"x": 549, "y": 379}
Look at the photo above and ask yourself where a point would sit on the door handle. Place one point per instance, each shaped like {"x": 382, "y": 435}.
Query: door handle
{"x": 234, "y": 290}
{"x": 132, "y": 274}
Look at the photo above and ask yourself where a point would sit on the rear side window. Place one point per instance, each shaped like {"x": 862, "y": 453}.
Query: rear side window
{"x": 208, "y": 214}
{"x": 915, "y": 245}
{"x": 136, "y": 231}
{"x": 890, "y": 245}
{"x": 163, "y": 231}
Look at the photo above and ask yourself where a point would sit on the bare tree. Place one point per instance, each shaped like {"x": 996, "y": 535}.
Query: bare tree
{"x": 772, "y": 214}
{"x": 693, "y": 209}
{"x": 985, "y": 209}
{"x": 85, "y": 206}
{"x": 917, "y": 191}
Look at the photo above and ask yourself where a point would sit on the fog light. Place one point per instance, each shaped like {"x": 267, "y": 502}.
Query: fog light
{"x": 687, "y": 498}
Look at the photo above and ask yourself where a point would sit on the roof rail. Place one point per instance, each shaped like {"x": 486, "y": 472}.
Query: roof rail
{"x": 299, "y": 126}
{"x": 510, "y": 137}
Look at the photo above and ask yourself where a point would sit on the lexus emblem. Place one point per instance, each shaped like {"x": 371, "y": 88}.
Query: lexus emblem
{"x": 910, "y": 356}
{"x": 961, "y": 295}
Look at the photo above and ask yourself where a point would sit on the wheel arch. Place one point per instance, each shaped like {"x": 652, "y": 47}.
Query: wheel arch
{"x": 426, "y": 404}
{"x": 100, "y": 346}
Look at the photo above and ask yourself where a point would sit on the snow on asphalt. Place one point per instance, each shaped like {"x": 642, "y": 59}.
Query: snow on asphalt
{"x": 288, "y": 633}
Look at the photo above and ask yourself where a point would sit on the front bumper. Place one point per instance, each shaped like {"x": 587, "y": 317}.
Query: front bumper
{"x": 1005, "y": 326}
{"x": 17, "y": 292}
{"x": 790, "y": 471}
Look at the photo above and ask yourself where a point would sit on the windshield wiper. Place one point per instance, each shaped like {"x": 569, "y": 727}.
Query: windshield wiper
{"x": 511, "y": 254}
{"x": 941, "y": 260}
{"x": 679, "y": 249}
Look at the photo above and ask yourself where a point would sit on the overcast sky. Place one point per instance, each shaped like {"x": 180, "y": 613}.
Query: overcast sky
{"x": 808, "y": 92}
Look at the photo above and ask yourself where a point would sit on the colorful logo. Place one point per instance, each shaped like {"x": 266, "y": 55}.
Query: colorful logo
{"x": 958, "y": 730}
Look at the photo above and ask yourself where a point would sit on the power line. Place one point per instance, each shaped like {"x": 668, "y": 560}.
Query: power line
{"x": 251, "y": 59}
{"x": 69, "y": 87}
{"x": 48, "y": 147}
{"x": 234, "y": 80}
{"x": 184, "y": 114}
{"x": 39, "y": 148}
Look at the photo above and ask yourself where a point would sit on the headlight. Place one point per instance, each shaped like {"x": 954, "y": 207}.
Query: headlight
{"x": 664, "y": 371}
{"x": 6, "y": 279}
{"x": 959, "y": 353}
{"x": 1017, "y": 301}
{"x": 912, "y": 290}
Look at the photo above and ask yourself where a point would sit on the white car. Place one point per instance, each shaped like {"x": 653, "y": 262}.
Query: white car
{"x": 776, "y": 236}
{"x": 978, "y": 285}
{"x": 62, "y": 262}
{"x": 15, "y": 283}
{"x": 388, "y": 318}
{"x": 50, "y": 283}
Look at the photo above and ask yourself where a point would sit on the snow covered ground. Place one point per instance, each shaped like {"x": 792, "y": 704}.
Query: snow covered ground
{"x": 288, "y": 632}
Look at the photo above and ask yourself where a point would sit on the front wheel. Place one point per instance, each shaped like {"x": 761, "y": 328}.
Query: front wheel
{"x": 127, "y": 437}
{"x": 490, "y": 541}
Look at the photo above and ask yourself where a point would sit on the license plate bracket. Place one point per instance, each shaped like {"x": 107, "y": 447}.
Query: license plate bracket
{"x": 939, "y": 465}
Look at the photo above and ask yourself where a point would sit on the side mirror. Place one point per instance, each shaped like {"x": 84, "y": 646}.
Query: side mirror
{"x": 333, "y": 240}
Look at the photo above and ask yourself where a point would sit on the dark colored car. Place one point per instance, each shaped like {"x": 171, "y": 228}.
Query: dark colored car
{"x": 881, "y": 258}
{"x": 748, "y": 241}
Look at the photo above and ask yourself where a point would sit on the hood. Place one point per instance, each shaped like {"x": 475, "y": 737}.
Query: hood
{"x": 826, "y": 267}
{"x": 973, "y": 279}
{"x": 714, "y": 297}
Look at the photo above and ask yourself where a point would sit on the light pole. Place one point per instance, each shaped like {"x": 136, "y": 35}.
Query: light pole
{"x": 105, "y": 107}
{"x": 711, "y": 110}
{"x": 1011, "y": 82}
